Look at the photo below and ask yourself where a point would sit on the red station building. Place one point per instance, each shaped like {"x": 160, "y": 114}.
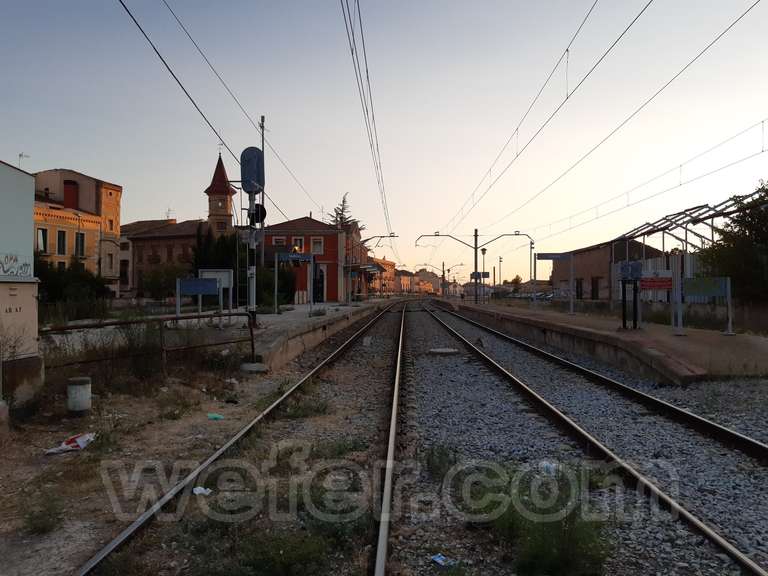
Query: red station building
{"x": 341, "y": 267}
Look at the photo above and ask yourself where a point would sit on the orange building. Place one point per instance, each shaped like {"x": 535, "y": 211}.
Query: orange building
{"x": 78, "y": 216}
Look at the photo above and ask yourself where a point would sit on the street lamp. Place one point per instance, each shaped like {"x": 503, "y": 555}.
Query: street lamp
{"x": 475, "y": 248}
{"x": 501, "y": 279}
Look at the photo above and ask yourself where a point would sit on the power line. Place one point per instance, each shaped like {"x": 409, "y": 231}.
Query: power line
{"x": 188, "y": 95}
{"x": 365, "y": 94}
{"x": 630, "y": 117}
{"x": 551, "y": 116}
{"x": 239, "y": 105}
{"x": 629, "y": 204}
{"x": 516, "y": 131}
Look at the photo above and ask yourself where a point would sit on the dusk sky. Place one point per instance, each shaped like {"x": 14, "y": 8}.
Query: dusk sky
{"x": 83, "y": 90}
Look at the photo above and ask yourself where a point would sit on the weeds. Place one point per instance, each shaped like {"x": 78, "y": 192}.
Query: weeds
{"x": 304, "y": 407}
{"x": 556, "y": 540}
{"x": 337, "y": 448}
{"x": 439, "y": 460}
{"x": 173, "y": 404}
{"x": 45, "y": 515}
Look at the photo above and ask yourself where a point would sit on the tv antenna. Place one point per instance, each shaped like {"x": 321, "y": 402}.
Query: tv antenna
{"x": 21, "y": 157}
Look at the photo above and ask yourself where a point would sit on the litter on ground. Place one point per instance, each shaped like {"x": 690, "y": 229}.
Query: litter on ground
{"x": 444, "y": 561}
{"x": 73, "y": 443}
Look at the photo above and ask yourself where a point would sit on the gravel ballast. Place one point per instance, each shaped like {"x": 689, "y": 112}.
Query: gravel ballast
{"x": 454, "y": 401}
{"x": 725, "y": 488}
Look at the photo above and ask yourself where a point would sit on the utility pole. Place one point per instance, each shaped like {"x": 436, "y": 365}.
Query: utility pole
{"x": 476, "y": 282}
{"x": 474, "y": 247}
{"x": 501, "y": 278}
{"x": 482, "y": 250}
{"x": 263, "y": 197}
{"x": 443, "y": 279}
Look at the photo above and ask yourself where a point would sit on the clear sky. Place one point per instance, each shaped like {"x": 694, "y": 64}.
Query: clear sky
{"x": 82, "y": 89}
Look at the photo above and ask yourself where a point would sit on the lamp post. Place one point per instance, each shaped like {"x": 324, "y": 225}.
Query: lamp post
{"x": 475, "y": 248}
{"x": 482, "y": 278}
{"x": 501, "y": 278}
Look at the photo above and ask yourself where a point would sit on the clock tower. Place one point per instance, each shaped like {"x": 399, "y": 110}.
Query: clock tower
{"x": 220, "y": 194}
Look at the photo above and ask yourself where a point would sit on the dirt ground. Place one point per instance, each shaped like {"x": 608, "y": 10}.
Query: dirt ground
{"x": 56, "y": 509}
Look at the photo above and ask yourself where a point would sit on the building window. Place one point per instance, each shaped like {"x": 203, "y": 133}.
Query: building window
{"x": 278, "y": 241}
{"x": 221, "y": 226}
{"x": 110, "y": 262}
{"x": 42, "y": 240}
{"x": 80, "y": 244}
{"x": 169, "y": 253}
{"x": 61, "y": 266}
{"x": 61, "y": 242}
{"x": 111, "y": 222}
{"x": 595, "y": 292}
{"x": 140, "y": 254}
{"x": 297, "y": 242}
{"x": 125, "y": 246}
{"x": 579, "y": 288}
{"x": 317, "y": 245}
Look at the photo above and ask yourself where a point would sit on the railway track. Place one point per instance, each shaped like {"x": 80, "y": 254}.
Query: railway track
{"x": 382, "y": 366}
{"x": 719, "y": 475}
{"x": 403, "y": 400}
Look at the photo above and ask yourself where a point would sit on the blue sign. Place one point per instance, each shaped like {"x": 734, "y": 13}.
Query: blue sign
{"x": 631, "y": 270}
{"x": 252, "y": 169}
{"x": 199, "y": 287}
{"x": 291, "y": 257}
{"x": 708, "y": 287}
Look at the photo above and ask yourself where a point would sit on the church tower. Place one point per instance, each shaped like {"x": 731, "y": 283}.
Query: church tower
{"x": 220, "y": 201}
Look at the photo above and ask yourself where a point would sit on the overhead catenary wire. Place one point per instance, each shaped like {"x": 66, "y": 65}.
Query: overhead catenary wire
{"x": 188, "y": 95}
{"x": 239, "y": 104}
{"x": 516, "y": 132}
{"x": 631, "y": 203}
{"x": 461, "y": 214}
{"x": 629, "y": 118}
{"x": 365, "y": 94}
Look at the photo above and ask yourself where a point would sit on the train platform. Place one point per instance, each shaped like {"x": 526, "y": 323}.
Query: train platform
{"x": 281, "y": 337}
{"x": 654, "y": 348}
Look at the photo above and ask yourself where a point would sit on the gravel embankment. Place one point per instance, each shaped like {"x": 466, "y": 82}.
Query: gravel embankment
{"x": 737, "y": 403}
{"x": 453, "y": 401}
{"x": 725, "y": 488}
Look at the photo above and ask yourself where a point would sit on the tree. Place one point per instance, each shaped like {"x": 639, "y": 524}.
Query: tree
{"x": 342, "y": 215}
{"x": 742, "y": 250}
{"x": 74, "y": 283}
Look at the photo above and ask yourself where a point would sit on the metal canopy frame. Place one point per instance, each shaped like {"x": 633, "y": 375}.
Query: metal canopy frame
{"x": 702, "y": 214}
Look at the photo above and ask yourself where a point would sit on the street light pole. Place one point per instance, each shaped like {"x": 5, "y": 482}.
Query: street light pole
{"x": 474, "y": 247}
{"x": 482, "y": 281}
{"x": 501, "y": 278}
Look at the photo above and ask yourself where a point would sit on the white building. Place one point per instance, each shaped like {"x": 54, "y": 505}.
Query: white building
{"x": 21, "y": 368}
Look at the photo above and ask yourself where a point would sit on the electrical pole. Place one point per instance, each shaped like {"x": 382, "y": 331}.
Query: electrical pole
{"x": 443, "y": 280}
{"x": 501, "y": 278}
{"x": 482, "y": 250}
{"x": 263, "y": 197}
{"x": 476, "y": 282}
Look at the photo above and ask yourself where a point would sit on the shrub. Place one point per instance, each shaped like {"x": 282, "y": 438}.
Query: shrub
{"x": 44, "y": 515}
{"x": 439, "y": 460}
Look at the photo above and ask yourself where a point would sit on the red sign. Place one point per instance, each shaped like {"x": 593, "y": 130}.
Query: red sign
{"x": 656, "y": 283}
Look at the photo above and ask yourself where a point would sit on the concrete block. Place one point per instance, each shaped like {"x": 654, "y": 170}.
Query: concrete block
{"x": 253, "y": 368}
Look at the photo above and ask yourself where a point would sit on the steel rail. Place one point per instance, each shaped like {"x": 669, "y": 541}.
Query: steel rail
{"x": 630, "y": 473}
{"x": 386, "y": 497}
{"x": 725, "y": 435}
{"x": 187, "y": 481}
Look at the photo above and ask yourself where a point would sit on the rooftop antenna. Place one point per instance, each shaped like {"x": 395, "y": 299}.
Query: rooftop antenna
{"x": 21, "y": 157}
